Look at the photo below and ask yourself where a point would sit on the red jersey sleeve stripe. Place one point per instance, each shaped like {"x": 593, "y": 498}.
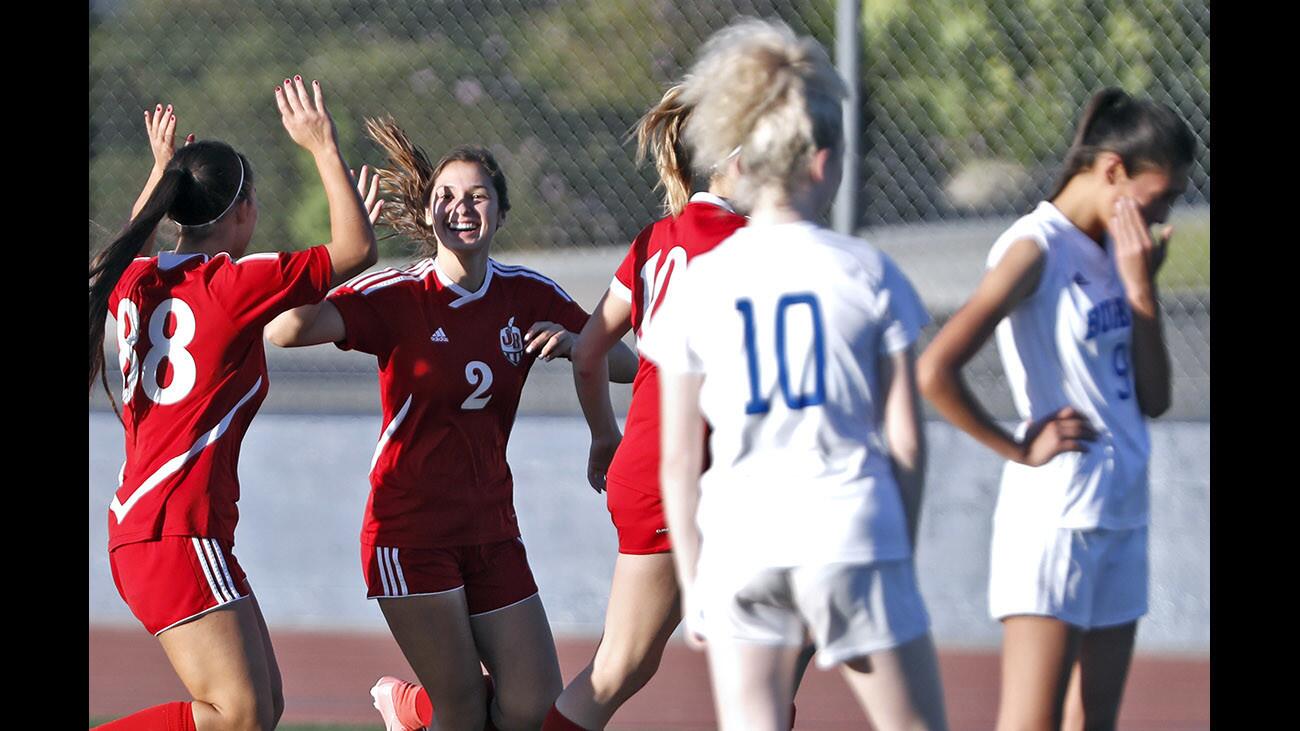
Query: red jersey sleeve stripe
{"x": 175, "y": 463}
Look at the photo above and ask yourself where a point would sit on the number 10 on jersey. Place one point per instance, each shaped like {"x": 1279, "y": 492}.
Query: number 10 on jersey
{"x": 759, "y": 405}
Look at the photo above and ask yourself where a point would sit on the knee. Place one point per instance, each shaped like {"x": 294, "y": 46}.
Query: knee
{"x": 623, "y": 671}
{"x": 526, "y": 707}
{"x": 248, "y": 716}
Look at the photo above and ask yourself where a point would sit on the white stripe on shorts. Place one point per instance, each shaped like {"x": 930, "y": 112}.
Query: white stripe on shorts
{"x": 397, "y": 570}
{"x": 381, "y": 555}
{"x": 225, "y": 570}
{"x": 215, "y": 582}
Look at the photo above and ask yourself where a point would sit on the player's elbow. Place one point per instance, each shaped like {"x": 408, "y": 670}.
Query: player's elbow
{"x": 587, "y": 358}
{"x": 930, "y": 373}
{"x": 283, "y": 331}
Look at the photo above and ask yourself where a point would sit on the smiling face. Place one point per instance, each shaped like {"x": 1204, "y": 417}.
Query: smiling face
{"x": 464, "y": 209}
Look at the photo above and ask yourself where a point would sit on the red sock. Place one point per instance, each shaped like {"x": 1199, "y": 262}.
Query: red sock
{"x": 556, "y": 721}
{"x": 167, "y": 717}
{"x": 423, "y": 708}
{"x": 793, "y": 711}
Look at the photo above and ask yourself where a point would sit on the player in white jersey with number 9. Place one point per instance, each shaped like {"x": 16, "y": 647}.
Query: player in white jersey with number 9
{"x": 794, "y": 342}
{"x": 1070, "y": 289}
{"x": 193, "y": 368}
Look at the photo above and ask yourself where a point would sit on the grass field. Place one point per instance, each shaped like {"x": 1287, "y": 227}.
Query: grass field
{"x": 1188, "y": 267}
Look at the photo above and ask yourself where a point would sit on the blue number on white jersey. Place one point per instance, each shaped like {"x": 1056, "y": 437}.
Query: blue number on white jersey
{"x": 757, "y": 404}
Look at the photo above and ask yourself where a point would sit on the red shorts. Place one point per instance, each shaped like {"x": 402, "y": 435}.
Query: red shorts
{"x": 493, "y": 575}
{"x": 639, "y": 519}
{"x": 176, "y": 578}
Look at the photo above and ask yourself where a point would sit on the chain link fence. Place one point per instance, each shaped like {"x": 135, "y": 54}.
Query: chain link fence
{"x": 967, "y": 111}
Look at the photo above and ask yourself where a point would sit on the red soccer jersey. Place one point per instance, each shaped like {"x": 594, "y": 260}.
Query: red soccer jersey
{"x": 642, "y": 279}
{"x": 189, "y": 337}
{"x": 451, "y": 368}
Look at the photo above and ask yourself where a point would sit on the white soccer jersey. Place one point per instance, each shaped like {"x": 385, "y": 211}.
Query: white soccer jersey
{"x": 787, "y": 323}
{"x": 1068, "y": 344}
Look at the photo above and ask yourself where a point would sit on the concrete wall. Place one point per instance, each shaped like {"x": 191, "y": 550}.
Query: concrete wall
{"x": 304, "y": 488}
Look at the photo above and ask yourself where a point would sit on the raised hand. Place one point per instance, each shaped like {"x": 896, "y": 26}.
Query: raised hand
{"x": 1065, "y": 431}
{"x": 161, "y": 128}
{"x": 305, "y": 117}
{"x": 370, "y": 198}
{"x": 1137, "y": 257}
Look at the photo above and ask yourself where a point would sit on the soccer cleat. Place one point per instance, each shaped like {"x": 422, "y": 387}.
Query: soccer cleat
{"x": 388, "y": 694}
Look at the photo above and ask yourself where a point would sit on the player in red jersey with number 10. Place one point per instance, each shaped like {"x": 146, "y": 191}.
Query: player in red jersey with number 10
{"x": 644, "y": 601}
{"x": 193, "y": 365}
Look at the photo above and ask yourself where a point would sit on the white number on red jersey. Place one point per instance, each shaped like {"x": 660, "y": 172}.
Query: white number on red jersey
{"x": 477, "y": 373}
{"x": 655, "y": 278}
{"x": 184, "y": 371}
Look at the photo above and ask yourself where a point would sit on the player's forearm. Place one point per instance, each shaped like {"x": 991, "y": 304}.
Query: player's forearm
{"x": 681, "y": 461}
{"x": 155, "y": 175}
{"x": 947, "y": 391}
{"x": 352, "y": 245}
{"x": 681, "y": 496}
{"x": 1151, "y": 370}
{"x": 591, "y": 381}
{"x": 291, "y": 328}
{"x": 622, "y": 362}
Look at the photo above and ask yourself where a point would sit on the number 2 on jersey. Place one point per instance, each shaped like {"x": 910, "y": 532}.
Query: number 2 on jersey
{"x": 183, "y": 369}
{"x": 757, "y": 404}
{"x": 478, "y": 374}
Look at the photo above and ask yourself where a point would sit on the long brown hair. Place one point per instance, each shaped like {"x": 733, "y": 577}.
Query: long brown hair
{"x": 659, "y": 136}
{"x": 1143, "y": 133}
{"x": 409, "y": 177}
{"x": 203, "y": 181}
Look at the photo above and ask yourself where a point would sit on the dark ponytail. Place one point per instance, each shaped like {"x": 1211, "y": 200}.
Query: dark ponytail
{"x": 1143, "y": 133}
{"x": 201, "y": 184}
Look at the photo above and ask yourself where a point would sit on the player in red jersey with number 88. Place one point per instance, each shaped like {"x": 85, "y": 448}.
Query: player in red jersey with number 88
{"x": 189, "y": 330}
{"x": 455, "y": 336}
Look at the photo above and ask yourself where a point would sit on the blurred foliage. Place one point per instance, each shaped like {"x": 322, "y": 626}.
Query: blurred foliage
{"x": 553, "y": 87}
{"x": 951, "y": 82}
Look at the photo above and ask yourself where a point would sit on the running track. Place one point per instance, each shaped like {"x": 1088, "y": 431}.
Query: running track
{"x": 327, "y": 677}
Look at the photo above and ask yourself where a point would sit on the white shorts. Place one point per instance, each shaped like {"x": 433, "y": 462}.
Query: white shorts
{"x": 1088, "y": 578}
{"x": 848, "y": 609}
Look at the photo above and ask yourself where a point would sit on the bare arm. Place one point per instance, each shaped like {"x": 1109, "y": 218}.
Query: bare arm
{"x": 592, "y": 355}
{"x": 1004, "y": 287}
{"x": 352, "y": 246}
{"x": 680, "y": 463}
{"x": 307, "y": 325}
{"x": 161, "y": 128}
{"x": 321, "y": 322}
{"x": 904, "y": 434}
{"x": 1138, "y": 260}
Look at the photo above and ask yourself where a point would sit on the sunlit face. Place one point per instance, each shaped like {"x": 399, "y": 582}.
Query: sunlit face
{"x": 1155, "y": 190}
{"x": 463, "y": 208}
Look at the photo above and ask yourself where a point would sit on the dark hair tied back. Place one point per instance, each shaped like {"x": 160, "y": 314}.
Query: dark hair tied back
{"x": 201, "y": 184}
{"x": 1143, "y": 133}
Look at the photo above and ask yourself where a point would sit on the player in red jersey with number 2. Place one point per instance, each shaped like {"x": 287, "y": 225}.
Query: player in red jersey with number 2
{"x": 455, "y": 335}
{"x": 193, "y": 366}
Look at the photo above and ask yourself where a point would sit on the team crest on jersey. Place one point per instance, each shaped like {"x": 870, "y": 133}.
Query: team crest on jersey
{"x": 512, "y": 342}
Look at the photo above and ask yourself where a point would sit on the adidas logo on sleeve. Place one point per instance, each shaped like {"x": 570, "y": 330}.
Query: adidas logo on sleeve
{"x": 440, "y": 337}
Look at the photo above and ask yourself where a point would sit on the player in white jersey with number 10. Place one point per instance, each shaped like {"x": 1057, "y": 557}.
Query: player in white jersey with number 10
{"x": 1070, "y": 289}
{"x": 794, "y": 342}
